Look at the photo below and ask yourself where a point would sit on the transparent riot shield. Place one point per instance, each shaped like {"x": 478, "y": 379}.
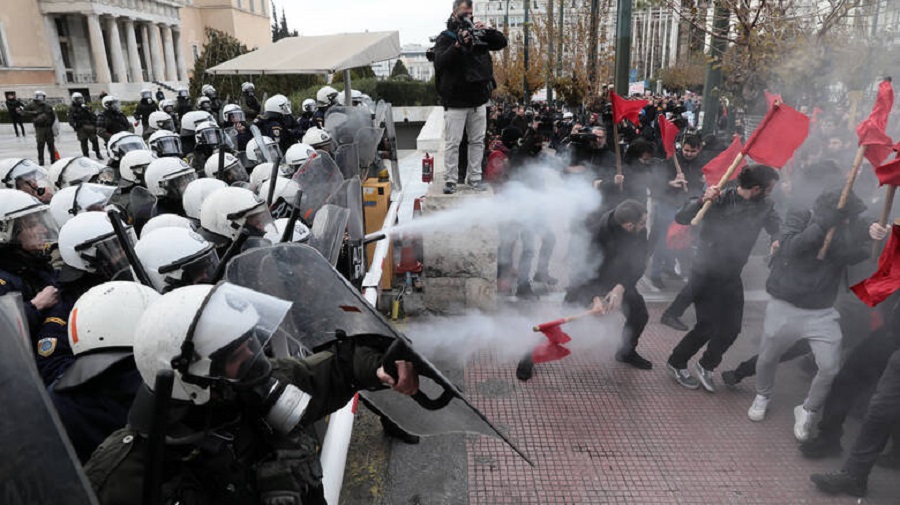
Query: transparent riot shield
{"x": 368, "y": 139}
{"x": 39, "y": 465}
{"x": 326, "y": 306}
{"x": 318, "y": 178}
{"x": 344, "y": 122}
{"x": 347, "y": 158}
{"x": 327, "y": 233}
{"x": 141, "y": 207}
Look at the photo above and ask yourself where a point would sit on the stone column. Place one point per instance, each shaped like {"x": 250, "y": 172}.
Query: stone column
{"x": 179, "y": 55}
{"x": 59, "y": 65}
{"x": 115, "y": 51}
{"x": 133, "y": 57}
{"x": 145, "y": 37}
{"x": 98, "y": 49}
{"x": 169, "y": 50}
{"x": 155, "y": 51}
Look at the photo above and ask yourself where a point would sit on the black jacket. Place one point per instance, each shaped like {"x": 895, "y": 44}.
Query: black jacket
{"x": 465, "y": 77}
{"x": 623, "y": 257}
{"x": 81, "y": 116}
{"x": 728, "y": 231}
{"x": 798, "y": 276}
{"x": 111, "y": 122}
{"x": 143, "y": 110}
{"x": 693, "y": 173}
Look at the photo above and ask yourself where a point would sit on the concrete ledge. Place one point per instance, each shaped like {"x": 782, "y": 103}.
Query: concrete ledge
{"x": 460, "y": 263}
{"x": 431, "y": 137}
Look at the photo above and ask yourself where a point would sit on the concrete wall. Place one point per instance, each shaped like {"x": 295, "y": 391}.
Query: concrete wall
{"x": 23, "y": 28}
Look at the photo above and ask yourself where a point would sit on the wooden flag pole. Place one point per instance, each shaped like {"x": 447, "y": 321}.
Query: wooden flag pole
{"x": 707, "y": 204}
{"x": 618, "y": 153}
{"x": 885, "y": 215}
{"x": 857, "y": 162}
{"x": 679, "y": 173}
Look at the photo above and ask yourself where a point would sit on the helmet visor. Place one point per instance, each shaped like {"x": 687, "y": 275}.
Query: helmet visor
{"x": 197, "y": 269}
{"x": 91, "y": 196}
{"x": 233, "y": 328}
{"x": 166, "y": 124}
{"x": 35, "y": 232}
{"x": 235, "y": 116}
{"x": 175, "y": 185}
{"x": 105, "y": 254}
{"x": 210, "y": 136}
{"x": 167, "y": 146}
{"x": 235, "y": 173}
{"x": 130, "y": 143}
{"x": 259, "y": 221}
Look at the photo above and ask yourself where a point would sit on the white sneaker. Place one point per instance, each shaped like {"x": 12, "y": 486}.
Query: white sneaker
{"x": 757, "y": 411}
{"x": 803, "y": 421}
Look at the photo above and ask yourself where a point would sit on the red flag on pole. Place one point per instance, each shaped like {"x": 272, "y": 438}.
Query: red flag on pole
{"x": 871, "y": 131}
{"x": 668, "y": 131}
{"x": 886, "y": 279}
{"x": 889, "y": 173}
{"x": 715, "y": 169}
{"x": 779, "y": 134}
{"x": 626, "y": 109}
{"x": 771, "y": 98}
{"x": 552, "y": 349}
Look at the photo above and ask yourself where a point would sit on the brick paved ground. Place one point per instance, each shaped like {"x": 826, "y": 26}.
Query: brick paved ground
{"x": 602, "y": 432}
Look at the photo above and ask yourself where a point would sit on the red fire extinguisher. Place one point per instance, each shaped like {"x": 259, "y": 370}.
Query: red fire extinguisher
{"x": 427, "y": 168}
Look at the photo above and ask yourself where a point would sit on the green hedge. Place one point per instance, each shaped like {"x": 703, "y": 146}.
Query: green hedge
{"x": 62, "y": 112}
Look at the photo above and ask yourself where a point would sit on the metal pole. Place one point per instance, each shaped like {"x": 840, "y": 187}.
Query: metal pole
{"x": 559, "y": 53}
{"x": 623, "y": 46}
{"x": 527, "y": 39}
{"x": 551, "y": 42}
{"x": 348, "y": 96}
{"x": 712, "y": 87}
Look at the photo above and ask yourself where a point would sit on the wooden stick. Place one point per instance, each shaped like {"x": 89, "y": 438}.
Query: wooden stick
{"x": 618, "y": 153}
{"x": 707, "y": 204}
{"x": 679, "y": 173}
{"x": 885, "y": 215}
{"x": 857, "y": 162}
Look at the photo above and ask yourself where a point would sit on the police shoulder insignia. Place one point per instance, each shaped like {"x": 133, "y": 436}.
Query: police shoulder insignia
{"x": 46, "y": 346}
{"x": 55, "y": 320}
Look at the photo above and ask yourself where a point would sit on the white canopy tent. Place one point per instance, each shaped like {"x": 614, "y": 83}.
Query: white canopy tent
{"x": 325, "y": 54}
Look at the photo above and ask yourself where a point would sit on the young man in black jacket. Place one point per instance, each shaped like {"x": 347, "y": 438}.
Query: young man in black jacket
{"x": 727, "y": 235}
{"x": 803, "y": 290}
{"x": 464, "y": 75}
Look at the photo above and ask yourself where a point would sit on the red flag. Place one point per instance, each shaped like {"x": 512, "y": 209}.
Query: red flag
{"x": 553, "y": 349}
{"x": 779, "y": 134}
{"x": 626, "y": 109}
{"x": 871, "y": 131}
{"x": 668, "y": 131}
{"x": 771, "y": 98}
{"x": 886, "y": 279}
{"x": 715, "y": 169}
{"x": 889, "y": 173}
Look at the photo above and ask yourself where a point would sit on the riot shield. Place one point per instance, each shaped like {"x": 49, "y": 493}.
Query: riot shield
{"x": 368, "y": 139}
{"x": 327, "y": 233}
{"x": 344, "y": 122}
{"x": 324, "y": 304}
{"x": 347, "y": 158}
{"x": 380, "y": 112}
{"x": 39, "y": 465}
{"x": 349, "y": 196}
{"x": 318, "y": 178}
{"x": 391, "y": 140}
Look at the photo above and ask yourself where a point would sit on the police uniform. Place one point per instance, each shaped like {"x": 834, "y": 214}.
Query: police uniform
{"x": 281, "y": 127}
{"x": 43, "y": 116}
{"x": 143, "y": 110}
{"x": 224, "y": 457}
{"x": 111, "y": 122}
{"x": 83, "y": 120}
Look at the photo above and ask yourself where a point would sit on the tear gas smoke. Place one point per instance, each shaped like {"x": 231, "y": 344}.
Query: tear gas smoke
{"x": 508, "y": 336}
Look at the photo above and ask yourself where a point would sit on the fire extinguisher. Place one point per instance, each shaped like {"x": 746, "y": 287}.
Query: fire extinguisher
{"x": 427, "y": 168}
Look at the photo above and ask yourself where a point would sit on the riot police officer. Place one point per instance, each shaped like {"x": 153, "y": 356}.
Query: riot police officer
{"x": 144, "y": 108}
{"x": 83, "y": 120}
{"x": 278, "y": 123}
{"x": 42, "y": 116}
{"x": 249, "y": 103}
{"x": 111, "y": 120}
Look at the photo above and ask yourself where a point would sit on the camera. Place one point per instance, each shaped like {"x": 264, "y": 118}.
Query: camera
{"x": 477, "y": 34}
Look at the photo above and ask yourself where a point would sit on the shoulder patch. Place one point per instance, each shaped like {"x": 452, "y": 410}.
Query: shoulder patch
{"x": 55, "y": 320}
{"x": 46, "y": 346}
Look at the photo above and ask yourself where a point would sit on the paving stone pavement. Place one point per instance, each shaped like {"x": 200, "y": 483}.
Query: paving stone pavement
{"x": 603, "y": 432}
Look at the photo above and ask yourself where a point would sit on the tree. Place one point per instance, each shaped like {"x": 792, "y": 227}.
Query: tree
{"x": 399, "y": 69}
{"x": 280, "y": 30}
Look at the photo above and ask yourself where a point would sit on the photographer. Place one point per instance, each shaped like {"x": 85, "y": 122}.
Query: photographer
{"x": 465, "y": 79}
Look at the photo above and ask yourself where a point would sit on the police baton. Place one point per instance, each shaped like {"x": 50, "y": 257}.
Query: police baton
{"x": 115, "y": 217}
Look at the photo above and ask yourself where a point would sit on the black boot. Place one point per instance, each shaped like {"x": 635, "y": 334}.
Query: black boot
{"x": 822, "y": 446}
{"x": 840, "y": 482}
{"x": 634, "y": 359}
{"x": 525, "y": 369}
